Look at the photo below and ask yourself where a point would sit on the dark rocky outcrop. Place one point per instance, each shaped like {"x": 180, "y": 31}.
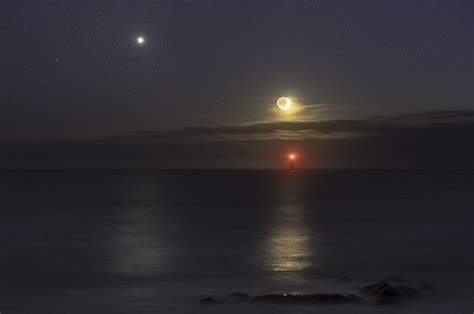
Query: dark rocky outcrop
{"x": 208, "y": 300}
{"x": 411, "y": 283}
{"x": 382, "y": 292}
{"x": 309, "y": 298}
{"x": 235, "y": 297}
{"x": 389, "y": 291}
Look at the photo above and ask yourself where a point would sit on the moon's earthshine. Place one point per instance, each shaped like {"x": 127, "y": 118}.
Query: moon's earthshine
{"x": 284, "y": 103}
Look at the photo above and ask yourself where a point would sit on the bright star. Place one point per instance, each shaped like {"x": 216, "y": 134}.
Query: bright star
{"x": 140, "y": 40}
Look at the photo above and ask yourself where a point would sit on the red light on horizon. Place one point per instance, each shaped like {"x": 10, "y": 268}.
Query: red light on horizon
{"x": 292, "y": 156}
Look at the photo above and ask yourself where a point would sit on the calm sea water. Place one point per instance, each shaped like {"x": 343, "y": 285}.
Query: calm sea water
{"x": 158, "y": 241}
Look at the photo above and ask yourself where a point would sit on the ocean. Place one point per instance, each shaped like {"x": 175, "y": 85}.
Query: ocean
{"x": 159, "y": 241}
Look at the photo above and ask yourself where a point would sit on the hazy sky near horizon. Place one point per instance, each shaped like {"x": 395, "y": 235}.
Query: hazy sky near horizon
{"x": 213, "y": 69}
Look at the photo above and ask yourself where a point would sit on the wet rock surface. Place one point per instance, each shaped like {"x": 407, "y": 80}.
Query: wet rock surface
{"x": 419, "y": 285}
{"x": 310, "y": 298}
{"x": 208, "y": 300}
{"x": 391, "y": 290}
{"x": 321, "y": 298}
{"x": 382, "y": 292}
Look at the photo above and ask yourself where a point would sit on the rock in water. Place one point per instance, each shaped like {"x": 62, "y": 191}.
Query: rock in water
{"x": 310, "y": 298}
{"x": 408, "y": 282}
{"x": 208, "y": 300}
{"x": 236, "y": 297}
{"x": 382, "y": 292}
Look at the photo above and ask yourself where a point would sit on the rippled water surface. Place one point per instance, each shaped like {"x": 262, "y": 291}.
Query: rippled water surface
{"x": 158, "y": 241}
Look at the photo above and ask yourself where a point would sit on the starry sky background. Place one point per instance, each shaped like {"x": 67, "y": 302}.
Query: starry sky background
{"x": 378, "y": 83}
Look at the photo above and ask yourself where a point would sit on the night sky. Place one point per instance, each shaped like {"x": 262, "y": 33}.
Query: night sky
{"x": 375, "y": 83}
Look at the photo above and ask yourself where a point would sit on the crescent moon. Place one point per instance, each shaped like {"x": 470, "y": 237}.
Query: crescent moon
{"x": 284, "y": 103}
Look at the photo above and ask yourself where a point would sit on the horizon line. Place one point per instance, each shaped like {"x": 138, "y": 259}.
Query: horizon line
{"x": 235, "y": 169}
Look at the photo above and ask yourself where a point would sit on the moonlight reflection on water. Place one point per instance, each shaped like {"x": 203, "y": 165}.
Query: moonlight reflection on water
{"x": 287, "y": 250}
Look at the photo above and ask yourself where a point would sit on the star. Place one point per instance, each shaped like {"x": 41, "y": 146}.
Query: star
{"x": 140, "y": 40}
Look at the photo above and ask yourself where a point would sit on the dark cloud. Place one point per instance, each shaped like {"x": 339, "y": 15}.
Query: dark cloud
{"x": 306, "y": 129}
{"x": 431, "y": 116}
{"x": 422, "y": 140}
{"x": 342, "y": 128}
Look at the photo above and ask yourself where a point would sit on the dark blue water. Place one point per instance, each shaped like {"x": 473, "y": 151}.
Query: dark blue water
{"x": 157, "y": 241}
